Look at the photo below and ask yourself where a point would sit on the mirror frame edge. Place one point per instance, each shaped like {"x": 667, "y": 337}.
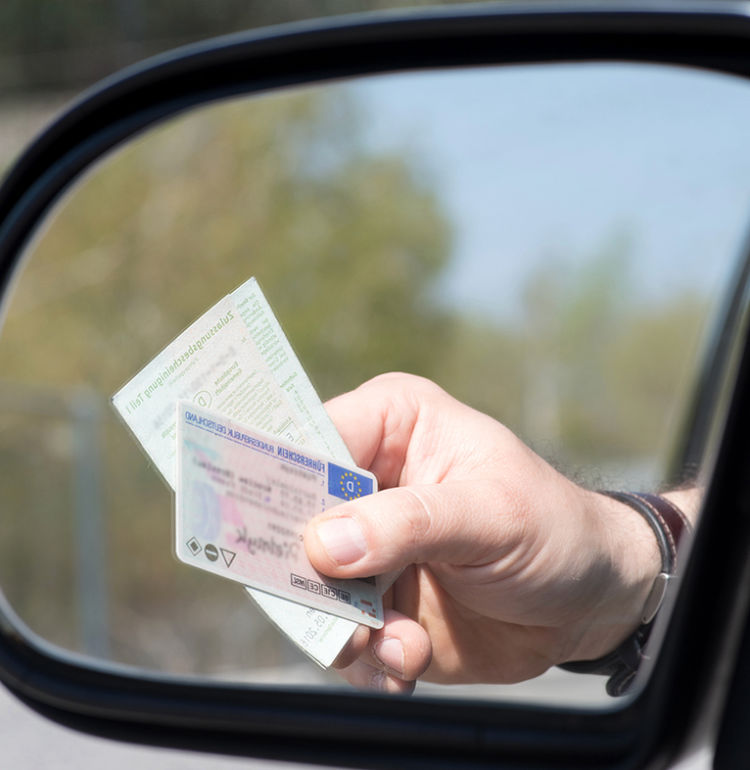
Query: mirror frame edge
{"x": 220, "y": 718}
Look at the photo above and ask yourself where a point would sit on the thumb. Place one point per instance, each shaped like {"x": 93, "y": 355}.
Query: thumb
{"x": 459, "y": 523}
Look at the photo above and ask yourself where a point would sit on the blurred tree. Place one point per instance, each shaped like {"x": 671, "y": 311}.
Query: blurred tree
{"x": 346, "y": 244}
{"x": 607, "y": 372}
{"x": 649, "y": 370}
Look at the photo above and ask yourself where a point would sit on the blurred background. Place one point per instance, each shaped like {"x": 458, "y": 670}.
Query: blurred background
{"x": 549, "y": 244}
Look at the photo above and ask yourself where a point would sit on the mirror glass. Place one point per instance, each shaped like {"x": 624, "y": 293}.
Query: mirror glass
{"x": 548, "y": 243}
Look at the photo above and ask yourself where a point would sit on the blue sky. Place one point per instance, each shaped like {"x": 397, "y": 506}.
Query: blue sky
{"x": 548, "y": 164}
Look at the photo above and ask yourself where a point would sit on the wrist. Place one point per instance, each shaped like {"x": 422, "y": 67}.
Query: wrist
{"x": 630, "y": 563}
{"x": 687, "y": 500}
{"x": 668, "y": 525}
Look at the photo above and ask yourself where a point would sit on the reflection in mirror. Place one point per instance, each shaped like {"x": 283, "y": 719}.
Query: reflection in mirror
{"x": 547, "y": 243}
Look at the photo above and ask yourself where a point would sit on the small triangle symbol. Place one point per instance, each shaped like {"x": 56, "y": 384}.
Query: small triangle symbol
{"x": 228, "y": 556}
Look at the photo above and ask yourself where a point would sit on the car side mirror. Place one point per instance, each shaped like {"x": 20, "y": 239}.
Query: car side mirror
{"x": 455, "y": 247}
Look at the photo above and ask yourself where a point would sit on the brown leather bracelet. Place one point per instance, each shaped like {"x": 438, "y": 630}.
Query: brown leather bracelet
{"x": 670, "y": 526}
{"x": 665, "y": 519}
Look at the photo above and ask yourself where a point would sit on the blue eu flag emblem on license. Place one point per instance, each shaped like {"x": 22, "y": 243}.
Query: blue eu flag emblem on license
{"x": 347, "y": 484}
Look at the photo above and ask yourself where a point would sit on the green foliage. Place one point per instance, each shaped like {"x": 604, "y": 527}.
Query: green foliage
{"x": 346, "y": 254}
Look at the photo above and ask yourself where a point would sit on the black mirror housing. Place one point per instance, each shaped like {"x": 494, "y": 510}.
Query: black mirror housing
{"x": 683, "y": 701}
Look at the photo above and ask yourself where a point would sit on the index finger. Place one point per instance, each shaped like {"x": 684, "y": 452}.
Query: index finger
{"x": 376, "y": 421}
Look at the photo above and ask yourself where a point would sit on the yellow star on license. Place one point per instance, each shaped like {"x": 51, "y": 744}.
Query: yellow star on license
{"x": 348, "y": 488}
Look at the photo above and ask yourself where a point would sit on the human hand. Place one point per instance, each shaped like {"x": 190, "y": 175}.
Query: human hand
{"x": 509, "y": 567}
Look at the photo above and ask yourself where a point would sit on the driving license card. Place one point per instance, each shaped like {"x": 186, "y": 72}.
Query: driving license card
{"x": 243, "y": 500}
{"x": 254, "y": 378}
